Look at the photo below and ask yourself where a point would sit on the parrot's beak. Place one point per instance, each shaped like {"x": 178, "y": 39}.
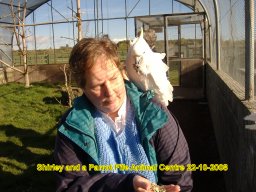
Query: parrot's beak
{"x": 136, "y": 64}
{"x": 141, "y": 33}
{"x": 137, "y": 60}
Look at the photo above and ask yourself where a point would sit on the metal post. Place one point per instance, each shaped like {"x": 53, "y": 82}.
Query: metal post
{"x": 95, "y": 20}
{"x": 79, "y": 21}
{"x": 195, "y": 40}
{"x": 34, "y": 28}
{"x": 207, "y": 22}
{"x": 53, "y": 38}
{"x": 204, "y": 39}
{"x": 97, "y": 17}
{"x": 149, "y": 7}
{"x": 204, "y": 54}
{"x": 172, "y": 6}
{"x": 210, "y": 41}
{"x": 101, "y": 12}
{"x": 126, "y": 24}
{"x": 73, "y": 23}
{"x": 166, "y": 42}
{"x": 179, "y": 39}
{"x": 216, "y": 9}
{"x": 249, "y": 50}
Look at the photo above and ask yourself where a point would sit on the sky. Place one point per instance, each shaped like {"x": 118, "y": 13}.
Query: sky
{"x": 116, "y": 29}
{"x": 231, "y": 20}
{"x": 63, "y": 33}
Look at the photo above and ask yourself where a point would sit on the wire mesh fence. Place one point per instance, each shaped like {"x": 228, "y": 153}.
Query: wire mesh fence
{"x": 48, "y": 43}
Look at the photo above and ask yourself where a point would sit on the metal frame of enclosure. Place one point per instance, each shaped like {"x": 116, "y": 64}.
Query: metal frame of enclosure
{"x": 185, "y": 54}
{"x": 226, "y": 45}
{"x": 209, "y": 46}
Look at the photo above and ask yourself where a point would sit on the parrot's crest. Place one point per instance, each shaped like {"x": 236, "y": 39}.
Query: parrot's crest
{"x": 146, "y": 69}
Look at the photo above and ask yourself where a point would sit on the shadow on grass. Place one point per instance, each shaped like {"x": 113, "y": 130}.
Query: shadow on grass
{"x": 63, "y": 100}
{"x": 46, "y": 84}
{"x": 19, "y": 157}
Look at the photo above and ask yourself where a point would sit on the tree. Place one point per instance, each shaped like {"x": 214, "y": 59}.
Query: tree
{"x": 18, "y": 14}
{"x": 68, "y": 87}
{"x": 66, "y": 70}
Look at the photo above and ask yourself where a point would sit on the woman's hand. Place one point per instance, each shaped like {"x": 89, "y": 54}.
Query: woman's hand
{"x": 164, "y": 188}
{"x": 140, "y": 184}
{"x": 171, "y": 188}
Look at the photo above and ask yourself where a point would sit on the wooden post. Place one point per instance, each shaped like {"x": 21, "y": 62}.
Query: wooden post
{"x": 79, "y": 21}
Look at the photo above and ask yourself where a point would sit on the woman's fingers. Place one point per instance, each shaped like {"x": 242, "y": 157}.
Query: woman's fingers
{"x": 172, "y": 188}
{"x": 140, "y": 184}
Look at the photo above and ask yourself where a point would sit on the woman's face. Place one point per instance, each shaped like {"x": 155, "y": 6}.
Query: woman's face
{"x": 105, "y": 86}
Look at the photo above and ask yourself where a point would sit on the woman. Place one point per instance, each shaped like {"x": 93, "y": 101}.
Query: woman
{"x": 116, "y": 134}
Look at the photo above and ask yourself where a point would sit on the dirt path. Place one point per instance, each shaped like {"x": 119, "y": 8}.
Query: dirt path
{"x": 194, "y": 118}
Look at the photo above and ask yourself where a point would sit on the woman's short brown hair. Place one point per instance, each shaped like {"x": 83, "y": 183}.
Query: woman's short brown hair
{"x": 84, "y": 55}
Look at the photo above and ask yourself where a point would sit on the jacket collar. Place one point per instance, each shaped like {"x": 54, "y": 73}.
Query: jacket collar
{"x": 149, "y": 116}
{"x": 80, "y": 117}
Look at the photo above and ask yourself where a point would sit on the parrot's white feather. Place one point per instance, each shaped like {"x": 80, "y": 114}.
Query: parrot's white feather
{"x": 146, "y": 69}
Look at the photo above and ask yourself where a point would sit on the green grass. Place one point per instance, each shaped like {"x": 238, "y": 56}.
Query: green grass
{"x": 27, "y": 131}
{"x": 174, "y": 74}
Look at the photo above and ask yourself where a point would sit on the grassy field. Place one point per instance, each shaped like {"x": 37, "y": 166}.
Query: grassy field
{"x": 27, "y": 132}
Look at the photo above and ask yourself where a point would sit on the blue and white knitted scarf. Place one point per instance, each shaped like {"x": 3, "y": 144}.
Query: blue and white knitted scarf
{"x": 122, "y": 148}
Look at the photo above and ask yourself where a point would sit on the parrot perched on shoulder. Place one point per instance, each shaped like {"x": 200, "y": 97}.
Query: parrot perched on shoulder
{"x": 146, "y": 69}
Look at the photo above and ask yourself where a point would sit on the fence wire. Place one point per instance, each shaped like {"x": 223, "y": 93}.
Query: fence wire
{"x": 231, "y": 21}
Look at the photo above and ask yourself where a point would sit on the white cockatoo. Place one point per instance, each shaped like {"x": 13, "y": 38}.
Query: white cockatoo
{"x": 146, "y": 69}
